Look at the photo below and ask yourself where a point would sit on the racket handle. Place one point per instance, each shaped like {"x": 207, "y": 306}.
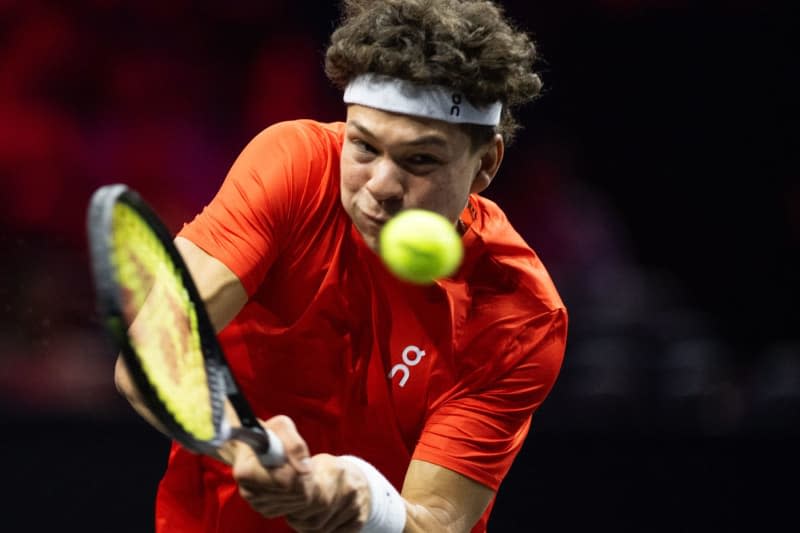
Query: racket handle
{"x": 267, "y": 446}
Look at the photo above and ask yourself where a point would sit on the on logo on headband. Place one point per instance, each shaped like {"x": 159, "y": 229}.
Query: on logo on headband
{"x": 455, "y": 110}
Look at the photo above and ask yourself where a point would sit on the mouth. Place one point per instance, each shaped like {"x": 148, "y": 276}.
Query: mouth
{"x": 376, "y": 220}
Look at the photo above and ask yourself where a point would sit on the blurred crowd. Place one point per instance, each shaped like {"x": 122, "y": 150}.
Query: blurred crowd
{"x": 163, "y": 95}
{"x": 100, "y": 92}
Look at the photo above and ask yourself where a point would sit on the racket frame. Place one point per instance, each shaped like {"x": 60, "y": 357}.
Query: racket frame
{"x": 221, "y": 382}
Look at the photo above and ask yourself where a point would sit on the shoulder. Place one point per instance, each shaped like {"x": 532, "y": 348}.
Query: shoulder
{"x": 291, "y": 157}
{"x": 305, "y": 130}
{"x": 512, "y": 307}
{"x": 299, "y": 138}
{"x": 505, "y": 265}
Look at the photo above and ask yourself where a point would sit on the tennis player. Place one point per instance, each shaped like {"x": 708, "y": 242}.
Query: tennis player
{"x": 405, "y": 405}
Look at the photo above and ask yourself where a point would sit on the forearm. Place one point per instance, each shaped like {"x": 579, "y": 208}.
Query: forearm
{"x": 428, "y": 518}
{"x": 221, "y": 291}
{"x": 434, "y": 499}
{"x": 125, "y": 386}
{"x": 127, "y": 389}
{"x": 441, "y": 500}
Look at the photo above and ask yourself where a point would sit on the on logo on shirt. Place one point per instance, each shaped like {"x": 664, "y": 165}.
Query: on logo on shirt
{"x": 403, "y": 367}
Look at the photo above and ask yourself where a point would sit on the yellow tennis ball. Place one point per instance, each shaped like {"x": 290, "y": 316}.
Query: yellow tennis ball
{"x": 420, "y": 246}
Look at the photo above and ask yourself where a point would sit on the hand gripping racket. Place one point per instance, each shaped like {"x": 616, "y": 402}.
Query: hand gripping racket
{"x": 149, "y": 304}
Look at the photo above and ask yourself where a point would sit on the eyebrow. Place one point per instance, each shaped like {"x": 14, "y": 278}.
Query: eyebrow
{"x": 431, "y": 139}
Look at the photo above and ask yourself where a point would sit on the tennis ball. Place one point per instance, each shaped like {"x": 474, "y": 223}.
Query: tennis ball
{"x": 420, "y": 246}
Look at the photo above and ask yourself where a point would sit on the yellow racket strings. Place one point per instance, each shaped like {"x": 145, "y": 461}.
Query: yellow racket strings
{"x": 163, "y": 323}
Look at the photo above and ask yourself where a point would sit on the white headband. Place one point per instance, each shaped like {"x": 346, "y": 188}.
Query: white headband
{"x": 431, "y": 101}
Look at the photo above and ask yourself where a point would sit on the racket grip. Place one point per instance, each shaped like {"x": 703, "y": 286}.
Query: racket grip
{"x": 267, "y": 446}
{"x": 275, "y": 454}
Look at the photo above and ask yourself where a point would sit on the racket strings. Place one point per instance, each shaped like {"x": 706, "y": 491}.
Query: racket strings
{"x": 162, "y": 321}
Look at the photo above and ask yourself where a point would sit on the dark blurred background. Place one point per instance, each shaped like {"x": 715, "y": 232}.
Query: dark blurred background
{"x": 656, "y": 177}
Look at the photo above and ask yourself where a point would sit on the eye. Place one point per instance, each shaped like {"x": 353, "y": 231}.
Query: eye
{"x": 422, "y": 160}
{"x": 361, "y": 146}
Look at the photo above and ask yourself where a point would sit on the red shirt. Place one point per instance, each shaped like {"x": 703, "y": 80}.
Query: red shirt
{"x": 470, "y": 357}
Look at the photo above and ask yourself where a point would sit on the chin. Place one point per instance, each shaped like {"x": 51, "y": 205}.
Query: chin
{"x": 369, "y": 238}
{"x": 371, "y": 241}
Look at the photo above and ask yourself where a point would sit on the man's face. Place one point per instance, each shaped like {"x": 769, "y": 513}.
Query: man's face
{"x": 392, "y": 162}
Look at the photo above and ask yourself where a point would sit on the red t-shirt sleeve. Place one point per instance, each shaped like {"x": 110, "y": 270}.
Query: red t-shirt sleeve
{"x": 478, "y": 433}
{"x": 252, "y": 216}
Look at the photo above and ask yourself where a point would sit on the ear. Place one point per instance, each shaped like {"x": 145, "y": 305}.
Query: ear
{"x": 489, "y": 163}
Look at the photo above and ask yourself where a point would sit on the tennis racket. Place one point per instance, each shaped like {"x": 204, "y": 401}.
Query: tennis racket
{"x": 149, "y": 304}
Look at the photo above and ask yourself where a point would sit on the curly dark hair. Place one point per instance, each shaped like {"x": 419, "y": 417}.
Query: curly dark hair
{"x": 466, "y": 45}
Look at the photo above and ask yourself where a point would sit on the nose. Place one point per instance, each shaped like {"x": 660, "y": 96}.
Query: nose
{"x": 386, "y": 183}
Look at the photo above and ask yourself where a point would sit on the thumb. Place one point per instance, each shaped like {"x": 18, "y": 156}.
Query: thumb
{"x": 294, "y": 447}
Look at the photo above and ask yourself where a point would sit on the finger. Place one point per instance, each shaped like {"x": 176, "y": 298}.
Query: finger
{"x": 253, "y": 493}
{"x": 278, "y": 483}
{"x": 355, "y": 525}
{"x": 249, "y": 473}
{"x": 246, "y": 469}
{"x": 227, "y": 451}
{"x": 270, "y": 503}
{"x": 272, "y": 508}
{"x": 295, "y": 447}
{"x": 328, "y": 519}
{"x": 345, "y": 518}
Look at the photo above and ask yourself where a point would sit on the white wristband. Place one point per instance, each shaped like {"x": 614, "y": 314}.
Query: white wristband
{"x": 387, "y": 511}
